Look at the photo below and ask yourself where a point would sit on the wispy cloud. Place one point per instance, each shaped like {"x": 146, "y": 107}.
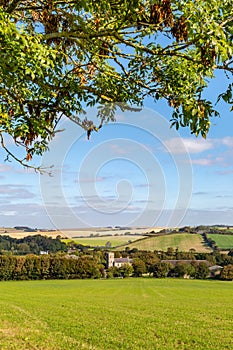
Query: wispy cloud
{"x": 196, "y": 146}
{"x": 93, "y": 180}
{"x": 228, "y": 141}
{"x": 15, "y": 192}
{"x": 8, "y": 212}
{"x": 5, "y": 168}
{"x": 189, "y": 145}
{"x": 118, "y": 149}
{"x": 224, "y": 196}
{"x": 200, "y": 193}
{"x": 214, "y": 151}
{"x": 145, "y": 185}
{"x": 203, "y": 161}
{"x": 23, "y": 209}
{"x": 225, "y": 172}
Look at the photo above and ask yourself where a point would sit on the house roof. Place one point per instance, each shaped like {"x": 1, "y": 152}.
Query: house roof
{"x": 215, "y": 267}
{"x": 174, "y": 262}
{"x": 122, "y": 260}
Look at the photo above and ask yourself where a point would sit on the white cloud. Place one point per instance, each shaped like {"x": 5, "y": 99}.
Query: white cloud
{"x": 182, "y": 145}
{"x": 12, "y": 191}
{"x": 93, "y": 180}
{"x": 8, "y": 213}
{"x": 228, "y": 141}
{"x": 203, "y": 161}
{"x": 208, "y": 161}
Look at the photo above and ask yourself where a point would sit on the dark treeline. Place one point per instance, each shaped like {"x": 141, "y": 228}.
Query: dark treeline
{"x": 209, "y": 241}
{"x": 220, "y": 231}
{"x": 31, "y": 244}
{"x": 32, "y": 267}
{"x": 93, "y": 264}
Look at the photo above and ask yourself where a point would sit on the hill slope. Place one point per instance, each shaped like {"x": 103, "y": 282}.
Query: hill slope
{"x": 183, "y": 241}
{"x": 222, "y": 241}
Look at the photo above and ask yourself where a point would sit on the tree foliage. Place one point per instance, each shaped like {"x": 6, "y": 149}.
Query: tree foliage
{"x": 160, "y": 269}
{"x": 32, "y": 267}
{"x": 59, "y": 57}
{"x": 139, "y": 267}
{"x": 31, "y": 244}
{"x": 227, "y": 273}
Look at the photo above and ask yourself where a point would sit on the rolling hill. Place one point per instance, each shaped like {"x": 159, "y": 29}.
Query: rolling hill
{"x": 183, "y": 241}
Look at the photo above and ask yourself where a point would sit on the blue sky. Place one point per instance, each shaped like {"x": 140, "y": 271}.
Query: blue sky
{"x": 134, "y": 172}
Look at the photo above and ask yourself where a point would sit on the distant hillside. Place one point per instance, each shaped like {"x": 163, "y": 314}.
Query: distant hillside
{"x": 24, "y": 231}
{"x": 183, "y": 241}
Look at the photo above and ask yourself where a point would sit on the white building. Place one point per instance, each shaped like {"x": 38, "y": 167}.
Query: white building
{"x": 116, "y": 262}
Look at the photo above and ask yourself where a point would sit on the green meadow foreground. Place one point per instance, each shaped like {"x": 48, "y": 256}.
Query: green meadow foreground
{"x": 117, "y": 314}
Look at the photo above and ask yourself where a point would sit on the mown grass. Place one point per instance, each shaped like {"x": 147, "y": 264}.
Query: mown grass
{"x": 183, "y": 241}
{"x": 128, "y": 314}
{"x": 222, "y": 241}
{"x": 101, "y": 241}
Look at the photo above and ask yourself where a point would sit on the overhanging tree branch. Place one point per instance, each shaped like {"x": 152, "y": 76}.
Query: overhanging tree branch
{"x": 41, "y": 170}
{"x": 59, "y": 57}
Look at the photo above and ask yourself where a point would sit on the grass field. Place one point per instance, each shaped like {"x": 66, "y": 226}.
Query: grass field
{"x": 222, "y": 241}
{"x": 127, "y": 314}
{"x": 183, "y": 241}
{"x": 101, "y": 241}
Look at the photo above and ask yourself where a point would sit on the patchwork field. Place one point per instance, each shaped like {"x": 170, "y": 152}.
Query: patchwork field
{"x": 222, "y": 241}
{"x": 8, "y": 231}
{"x": 102, "y": 241}
{"x": 123, "y": 314}
{"x": 183, "y": 241}
{"x": 84, "y": 232}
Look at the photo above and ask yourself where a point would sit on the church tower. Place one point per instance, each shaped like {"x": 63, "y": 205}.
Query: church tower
{"x": 110, "y": 259}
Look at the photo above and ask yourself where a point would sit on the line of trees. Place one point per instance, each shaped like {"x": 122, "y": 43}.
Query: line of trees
{"x": 209, "y": 241}
{"x": 161, "y": 269}
{"x": 166, "y": 269}
{"x": 93, "y": 265}
{"x": 17, "y": 264}
{"x": 181, "y": 269}
{"x": 32, "y": 267}
{"x": 31, "y": 244}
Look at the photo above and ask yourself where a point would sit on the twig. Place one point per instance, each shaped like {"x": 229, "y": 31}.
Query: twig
{"x": 39, "y": 169}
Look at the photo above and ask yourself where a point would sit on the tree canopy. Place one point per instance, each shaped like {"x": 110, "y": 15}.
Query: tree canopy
{"x": 59, "y": 57}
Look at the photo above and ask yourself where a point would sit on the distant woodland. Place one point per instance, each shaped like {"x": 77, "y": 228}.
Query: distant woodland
{"x": 31, "y": 245}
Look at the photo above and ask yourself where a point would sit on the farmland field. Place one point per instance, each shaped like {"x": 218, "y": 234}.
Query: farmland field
{"x": 101, "y": 241}
{"x": 84, "y": 232}
{"x": 122, "y": 314}
{"x": 183, "y": 241}
{"x": 222, "y": 241}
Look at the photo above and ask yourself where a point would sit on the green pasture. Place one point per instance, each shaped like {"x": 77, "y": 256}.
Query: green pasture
{"x": 101, "y": 241}
{"x": 183, "y": 241}
{"x": 222, "y": 241}
{"x": 121, "y": 314}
